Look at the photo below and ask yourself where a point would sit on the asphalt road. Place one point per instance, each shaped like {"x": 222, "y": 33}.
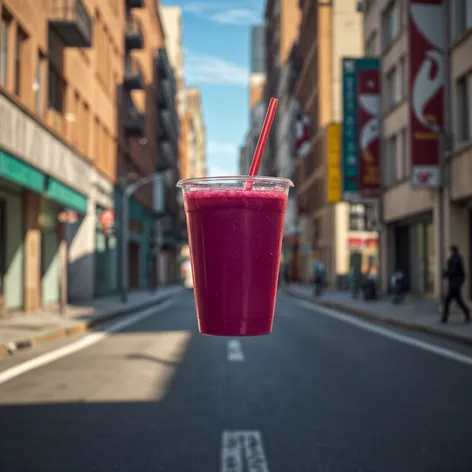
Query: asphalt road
{"x": 319, "y": 394}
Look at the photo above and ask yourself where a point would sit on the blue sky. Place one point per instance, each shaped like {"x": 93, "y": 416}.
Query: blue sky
{"x": 216, "y": 37}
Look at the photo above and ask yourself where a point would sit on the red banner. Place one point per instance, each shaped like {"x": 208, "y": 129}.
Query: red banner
{"x": 368, "y": 113}
{"x": 427, "y": 40}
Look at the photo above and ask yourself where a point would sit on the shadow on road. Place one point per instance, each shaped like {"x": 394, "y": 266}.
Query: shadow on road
{"x": 144, "y": 400}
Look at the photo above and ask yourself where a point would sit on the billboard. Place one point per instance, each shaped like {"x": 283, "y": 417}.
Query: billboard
{"x": 350, "y": 157}
{"x": 333, "y": 163}
{"x": 368, "y": 121}
{"x": 361, "y": 156}
{"x": 426, "y": 60}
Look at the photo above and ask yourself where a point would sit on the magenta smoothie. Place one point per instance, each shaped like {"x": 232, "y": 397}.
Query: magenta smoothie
{"x": 235, "y": 241}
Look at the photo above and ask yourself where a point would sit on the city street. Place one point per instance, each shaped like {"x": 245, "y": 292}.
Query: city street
{"x": 325, "y": 392}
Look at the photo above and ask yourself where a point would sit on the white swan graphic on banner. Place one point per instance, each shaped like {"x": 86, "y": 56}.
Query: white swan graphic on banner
{"x": 428, "y": 19}
{"x": 370, "y": 131}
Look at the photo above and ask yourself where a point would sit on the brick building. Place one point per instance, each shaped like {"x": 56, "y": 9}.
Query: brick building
{"x": 282, "y": 19}
{"x": 74, "y": 83}
{"x": 335, "y": 233}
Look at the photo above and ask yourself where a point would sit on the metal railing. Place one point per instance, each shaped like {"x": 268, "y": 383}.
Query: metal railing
{"x": 133, "y": 25}
{"x": 72, "y": 10}
{"x": 132, "y": 67}
{"x": 133, "y": 118}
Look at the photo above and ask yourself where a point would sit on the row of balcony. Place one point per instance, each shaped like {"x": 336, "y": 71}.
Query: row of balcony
{"x": 71, "y": 21}
{"x": 134, "y": 124}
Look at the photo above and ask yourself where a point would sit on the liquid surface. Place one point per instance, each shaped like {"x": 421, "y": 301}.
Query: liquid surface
{"x": 235, "y": 239}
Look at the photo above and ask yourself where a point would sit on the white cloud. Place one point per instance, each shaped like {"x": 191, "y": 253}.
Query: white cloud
{"x": 222, "y": 158}
{"x": 247, "y": 13}
{"x": 218, "y": 171}
{"x": 204, "y": 68}
{"x": 218, "y": 149}
{"x": 241, "y": 17}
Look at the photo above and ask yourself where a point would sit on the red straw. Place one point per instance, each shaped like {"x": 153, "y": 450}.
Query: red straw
{"x": 262, "y": 141}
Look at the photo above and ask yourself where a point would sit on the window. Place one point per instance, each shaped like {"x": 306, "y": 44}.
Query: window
{"x": 404, "y": 137}
{"x": 38, "y": 85}
{"x": 85, "y": 129}
{"x": 357, "y": 217}
{"x": 2, "y": 247}
{"x": 370, "y": 45}
{"x": 394, "y": 88}
{"x": 390, "y": 161}
{"x": 96, "y": 140}
{"x": 56, "y": 90}
{"x": 462, "y": 16}
{"x": 4, "y": 51}
{"x": 390, "y": 24}
{"x": 403, "y": 79}
{"x": 464, "y": 109}
{"x": 368, "y": 4}
{"x": 20, "y": 41}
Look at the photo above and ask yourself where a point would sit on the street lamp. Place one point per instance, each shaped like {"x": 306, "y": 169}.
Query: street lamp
{"x": 129, "y": 190}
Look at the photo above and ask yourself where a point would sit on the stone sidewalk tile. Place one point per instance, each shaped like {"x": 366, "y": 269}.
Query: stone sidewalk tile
{"x": 416, "y": 315}
{"x": 27, "y": 330}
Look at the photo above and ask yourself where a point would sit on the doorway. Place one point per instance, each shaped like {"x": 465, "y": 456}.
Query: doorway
{"x": 402, "y": 253}
{"x": 3, "y": 227}
{"x": 133, "y": 265}
{"x": 50, "y": 268}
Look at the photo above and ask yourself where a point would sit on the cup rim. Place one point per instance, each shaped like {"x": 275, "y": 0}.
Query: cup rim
{"x": 258, "y": 178}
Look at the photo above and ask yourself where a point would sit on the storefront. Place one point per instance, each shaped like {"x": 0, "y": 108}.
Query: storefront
{"x": 363, "y": 253}
{"x": 140, "y": 247}
{"x": 415, "y": 253}
{"x": 11, "y": 247}
{"x": 15, "y": 177}
{"x": 39, "y": 176}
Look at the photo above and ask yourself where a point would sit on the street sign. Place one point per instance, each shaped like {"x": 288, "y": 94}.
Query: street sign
{"x": 107, "y": 218}
{"x": 68, "y": 216}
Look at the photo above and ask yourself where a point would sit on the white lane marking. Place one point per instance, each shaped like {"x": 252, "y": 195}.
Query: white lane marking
{"x": 235, "y": 351}
{"x": 82, "y": 343}
{"x": 242, "y": 451}
{"x": 410, "y": 341}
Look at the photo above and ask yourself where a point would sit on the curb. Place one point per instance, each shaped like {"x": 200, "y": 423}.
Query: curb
{"x": 384, "y": 319}
{"x": 79, "y": 327}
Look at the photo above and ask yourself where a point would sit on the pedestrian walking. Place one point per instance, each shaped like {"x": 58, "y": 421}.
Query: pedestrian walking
{"x": 318, "y": 276}
{"x": 455, "y": 275}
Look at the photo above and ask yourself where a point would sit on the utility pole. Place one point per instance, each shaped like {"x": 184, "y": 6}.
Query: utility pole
{"x": 128, "y": 191}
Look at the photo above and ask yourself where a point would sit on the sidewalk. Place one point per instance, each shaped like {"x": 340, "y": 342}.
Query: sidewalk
{"x": 31, "y": 329}
{"x": 413, "y": 314}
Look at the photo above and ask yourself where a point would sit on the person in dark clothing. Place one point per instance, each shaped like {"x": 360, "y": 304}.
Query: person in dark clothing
{"x": 455, "y": 275}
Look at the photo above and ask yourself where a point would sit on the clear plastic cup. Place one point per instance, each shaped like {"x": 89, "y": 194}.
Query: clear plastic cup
{"x": 235, "y": 238}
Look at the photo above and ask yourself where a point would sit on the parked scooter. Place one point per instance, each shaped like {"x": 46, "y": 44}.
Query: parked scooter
{"x": 369, "y": 287}
{"x": 397, "y": 283}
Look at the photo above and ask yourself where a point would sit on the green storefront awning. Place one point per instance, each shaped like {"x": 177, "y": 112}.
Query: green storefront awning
{"x": 21, "y": 173}
{"x": 67, "y": 196}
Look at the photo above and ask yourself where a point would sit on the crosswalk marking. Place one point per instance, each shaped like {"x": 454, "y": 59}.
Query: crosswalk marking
{"x": 242, "y": 451}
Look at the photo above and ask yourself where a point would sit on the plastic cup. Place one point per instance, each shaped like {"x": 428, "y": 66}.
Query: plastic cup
{"x": 235, "y": 238}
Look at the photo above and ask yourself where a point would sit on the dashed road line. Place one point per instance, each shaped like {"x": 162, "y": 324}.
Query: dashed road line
{"x": 235, "y": 351}
{"x": 243, "y": 451}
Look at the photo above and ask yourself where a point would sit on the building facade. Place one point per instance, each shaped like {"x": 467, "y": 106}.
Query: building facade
{"x": 79, "y": 117}
{"x": 196, "y": 134}
{"x": 285, "y": 138}
{"x": 257, "y": 74}
{"x": 420, "y": 223}
{"x": 282, "y": 18}
{"x": 54, "y": 85}
{"x": 334, "y": 233}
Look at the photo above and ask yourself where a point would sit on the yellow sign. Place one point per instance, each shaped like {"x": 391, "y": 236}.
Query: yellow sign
{"x": 333, "y": 163}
